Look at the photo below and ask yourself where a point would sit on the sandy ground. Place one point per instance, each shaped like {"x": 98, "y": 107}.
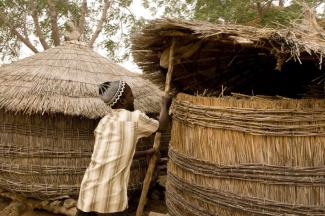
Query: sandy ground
{"x": 155, "y": 203}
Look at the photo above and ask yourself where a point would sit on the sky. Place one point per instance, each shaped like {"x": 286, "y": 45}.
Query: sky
{"x": 138, "y": 11}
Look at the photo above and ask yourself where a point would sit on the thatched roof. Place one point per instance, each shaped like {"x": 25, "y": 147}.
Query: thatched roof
{"x": 215, "y": 55}
{"x": 65, "y": 80}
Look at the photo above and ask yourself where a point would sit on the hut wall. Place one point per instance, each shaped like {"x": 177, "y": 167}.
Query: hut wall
{"x": 45, "y": 156}
{"x": 246, "y": 157}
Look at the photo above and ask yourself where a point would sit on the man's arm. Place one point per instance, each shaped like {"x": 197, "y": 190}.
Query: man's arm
{"x": 164, "y": 118}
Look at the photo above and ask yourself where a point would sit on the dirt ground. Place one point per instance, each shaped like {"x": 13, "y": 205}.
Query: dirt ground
{"x": 155, "y": 203}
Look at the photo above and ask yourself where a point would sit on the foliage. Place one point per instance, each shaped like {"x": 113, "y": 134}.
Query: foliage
{"x": 252, "y": 12}
{"x": 16, "y": 22}
{"x": 123, "y": 23}
{"x": 18, "y": 25}
{"x": 19, "y": 20}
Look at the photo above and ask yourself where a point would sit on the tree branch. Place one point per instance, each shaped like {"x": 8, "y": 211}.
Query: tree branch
{"x": 25, "y": 25}
{"x": 132, "y": 14}
{"x": 14, "y": 31}
{"x": 26, "y": 41}
{"x": 100, "y": 23}
{"x": 38, "y": 29}
{"x": 268, "y": 4}
{"x": 54, "y": 22}
{"x": 82, "y": 19}
{"x": 259, "y": 10}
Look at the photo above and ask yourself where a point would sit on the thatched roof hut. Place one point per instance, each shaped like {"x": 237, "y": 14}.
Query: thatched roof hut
{"x": 49, "y": 109}
{"x": 232, "y": 58}
{"x": 241, "y": 155}
{"x": 65, "y": 80}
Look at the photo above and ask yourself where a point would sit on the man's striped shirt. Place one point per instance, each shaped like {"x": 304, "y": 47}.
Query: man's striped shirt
{"x": 104, "y": 186}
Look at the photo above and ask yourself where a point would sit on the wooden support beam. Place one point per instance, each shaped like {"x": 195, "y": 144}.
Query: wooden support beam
{"x": 156, "y": 146}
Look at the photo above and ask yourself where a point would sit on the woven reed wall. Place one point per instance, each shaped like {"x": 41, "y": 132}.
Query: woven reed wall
{"x": 252, "y": 156}
{"x": 46, "y": 156}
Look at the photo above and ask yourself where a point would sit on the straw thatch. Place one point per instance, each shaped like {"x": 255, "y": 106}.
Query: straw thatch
{"x": 49, "y": 109}
{"x": 232, "y": 58}
{"x": 45, "y": 156}
{"x": 247, "y": 156}
{"x": 65, "y": 80}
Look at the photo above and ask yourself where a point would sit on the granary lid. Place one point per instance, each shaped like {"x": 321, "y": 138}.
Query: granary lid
{"x": 65, "y": 79}
{"x": 214, "y": 55}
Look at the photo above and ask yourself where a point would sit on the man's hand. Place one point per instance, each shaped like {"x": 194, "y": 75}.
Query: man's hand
{"x": 166, "y": 102}
{"x": 164, "y": 118}
{"x": 141, "y": 154}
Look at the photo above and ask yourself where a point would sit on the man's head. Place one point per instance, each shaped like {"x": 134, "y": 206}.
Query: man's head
{"x": 117, "y": 94}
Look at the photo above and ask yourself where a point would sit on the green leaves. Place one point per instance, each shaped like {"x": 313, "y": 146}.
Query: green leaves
{"x": 253, "y": 12}
{"x": 122, "y": 22}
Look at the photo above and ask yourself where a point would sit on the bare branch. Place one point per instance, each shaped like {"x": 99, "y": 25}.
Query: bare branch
{"x": 83, "y": 17}
{"x": 259, "y": 10}
{"x": 11, "y": 47}
{"x": 14, "y": 31}
{"x": 26, "y": 41}
{"x": 100, "y": 23}
{"x": 54, "y": 22}
{"x": 132, "y": 14}
{"x": 38, "y": 29}
{"x": 25, "y": 25}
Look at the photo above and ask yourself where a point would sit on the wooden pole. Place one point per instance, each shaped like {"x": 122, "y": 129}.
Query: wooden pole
{"x": 154, "y": 158}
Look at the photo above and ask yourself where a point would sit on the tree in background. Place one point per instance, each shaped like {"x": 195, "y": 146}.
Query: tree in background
{"x": 252, "y": 12}
{"x": 122, "y": 23}
{"x": 41, "y": 24}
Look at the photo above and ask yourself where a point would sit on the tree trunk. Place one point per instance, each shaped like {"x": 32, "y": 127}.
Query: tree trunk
{"x": 54, "y": 22}
{"x": 259, "y": 13}
{"x": 100, "y": 23}
{"x": 26, "y": 41}
{"x": 14, "y": 31}
{"x": 38, "y": 29}
{"x": 83, "y": 17}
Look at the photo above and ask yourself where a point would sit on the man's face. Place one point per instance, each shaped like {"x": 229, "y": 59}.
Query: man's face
{"x": 126, "y": 102}
{"x": 130, "y": 104}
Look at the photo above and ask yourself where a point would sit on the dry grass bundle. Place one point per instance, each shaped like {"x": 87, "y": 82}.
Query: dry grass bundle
{"x": 216, "y": 169}
{"x": 239, "y": 57}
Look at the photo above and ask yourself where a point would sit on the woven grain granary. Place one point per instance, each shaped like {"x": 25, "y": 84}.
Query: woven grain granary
{"x": 232, "y": 151}
{"x": 49, "y": 108}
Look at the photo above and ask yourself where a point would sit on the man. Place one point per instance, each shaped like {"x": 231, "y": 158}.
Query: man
{"x": 104, "y": 186}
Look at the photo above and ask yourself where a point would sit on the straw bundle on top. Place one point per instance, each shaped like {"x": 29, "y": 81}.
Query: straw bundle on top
{"x": 251, "y": 156}
{"x": 49, "y": 108}
{"x": 231, "y": 58}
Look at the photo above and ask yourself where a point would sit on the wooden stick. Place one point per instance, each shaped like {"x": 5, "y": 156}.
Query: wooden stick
{"x": 154, "y": 158}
